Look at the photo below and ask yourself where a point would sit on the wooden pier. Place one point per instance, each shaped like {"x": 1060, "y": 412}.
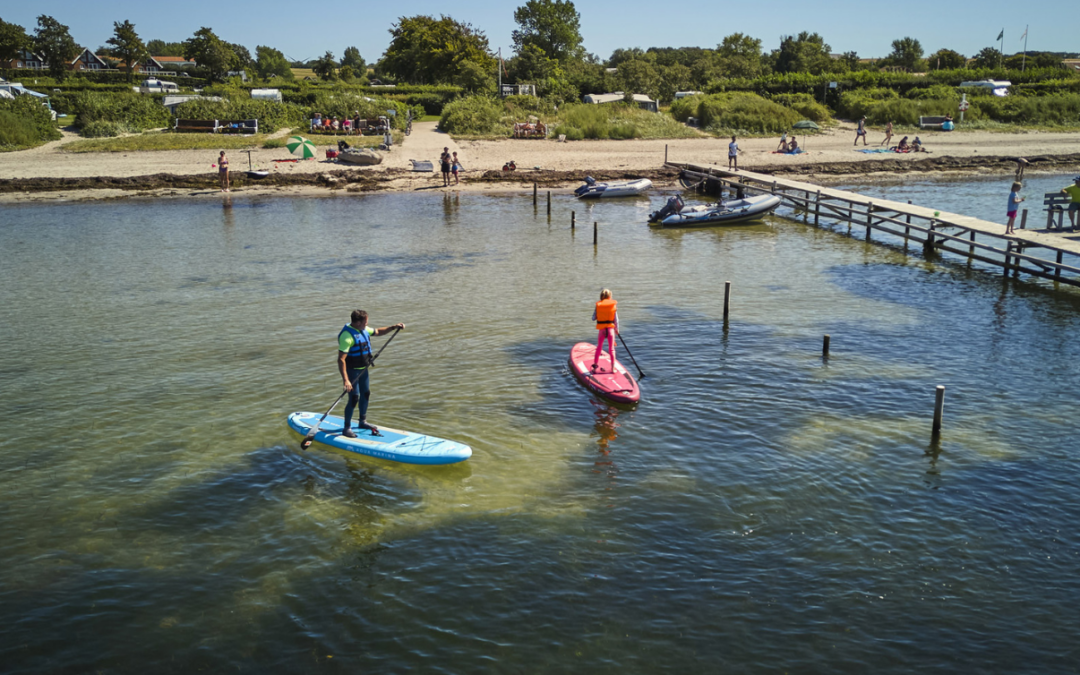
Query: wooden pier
{"x": 936, "y": 230}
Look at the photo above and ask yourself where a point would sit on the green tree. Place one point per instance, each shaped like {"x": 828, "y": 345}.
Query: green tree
{"x": 54, "y": 43}
{"x": 243, "y": 57}
{"x": 673, "y": 78}
{"x": 806, "y": 53}
{"x": 988, "y": 57}
{"x": 127, "y": 47}
{"x": 270, "y": 62}
{"x": 326, "y": 67}
{"x": 621, "y": 55}
{"x": 352, "y": 58}
{"x": 13, "y": 40}
{"x": 475, "y": 78}
{"x": 740, "y": 56}
{"x": 850, "y": 60}
{"x": 552, "y": 25}
{"x": 162, "y": 48}
{"x": 211, "y": 53}
{"x": 425, "y": 50}
{"x": 946, "y": 59}
{"x": 639, "y": 77}
{"x": 531, "y": 65}
{"x": 906, "y": 52}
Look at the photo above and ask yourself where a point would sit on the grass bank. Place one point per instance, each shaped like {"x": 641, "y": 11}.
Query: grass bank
{"x": 165, "y": 140}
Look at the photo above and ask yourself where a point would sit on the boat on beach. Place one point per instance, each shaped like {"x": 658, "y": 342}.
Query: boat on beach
{"x": 733, "y": 212}
{"x": 360, "y": 156}
{"x": 623, "y": 188}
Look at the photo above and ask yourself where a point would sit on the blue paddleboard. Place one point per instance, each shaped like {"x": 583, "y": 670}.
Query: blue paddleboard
{"x": 393, "y": 444}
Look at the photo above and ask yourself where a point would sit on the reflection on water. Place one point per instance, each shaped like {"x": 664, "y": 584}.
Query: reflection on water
{"x": 760, "y": 509}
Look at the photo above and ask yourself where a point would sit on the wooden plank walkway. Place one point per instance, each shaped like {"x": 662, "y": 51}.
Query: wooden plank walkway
{"x": 891, "y": 217}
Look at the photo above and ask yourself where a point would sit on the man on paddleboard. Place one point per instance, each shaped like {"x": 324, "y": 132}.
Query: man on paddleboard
{"x": 607, "y": 323}
{"x": 354, "y": 357}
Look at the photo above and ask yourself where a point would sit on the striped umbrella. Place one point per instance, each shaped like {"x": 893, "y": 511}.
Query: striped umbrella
{"x": 301, "y": 147}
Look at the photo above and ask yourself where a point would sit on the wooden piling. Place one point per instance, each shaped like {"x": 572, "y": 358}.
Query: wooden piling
{"x": 534, "y": 194}
{"x": 549, "y": 203}
{"x": 971, "y": 249}
{"x": 817, "y": 208}
{"x": 665, "y": 153}
{"x": 1057, "y": 270}
{"x": 825, "y": 347}
{"x": 869, "y": 219}
{"x": 727, "y": 298}
{"x": 939, "y": 409}
{"x": 1008, "y": 258}
{"x": 595, "y": 235}
{"x": 907, "y": 220}
{"x": 1023, "y": 220}
{"x": 573, "y": 219}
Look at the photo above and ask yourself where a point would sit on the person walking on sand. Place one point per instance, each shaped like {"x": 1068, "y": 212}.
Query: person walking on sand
{"x": 733, "y": 155}
{"x": 888, "y": 135}
{"x": 783, "y": 143}
{"x": 353, "y": 359}
{"x": 607, "y": 323}
{"x": 223, "y": 171}
{"x": 455, "y": 167}
{"x": 444, "y": 164}
{"x": 1074, "y": 204}
{"x": 1014, "y": 204}
{"x": 861, "y": 131}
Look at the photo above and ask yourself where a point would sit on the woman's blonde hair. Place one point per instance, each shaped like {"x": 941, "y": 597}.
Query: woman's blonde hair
{"x": 605, "y": 294}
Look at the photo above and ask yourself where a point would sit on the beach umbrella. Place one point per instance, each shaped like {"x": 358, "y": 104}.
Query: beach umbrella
{"x": 301, "y": 147}
{"x": 805, "y": 124}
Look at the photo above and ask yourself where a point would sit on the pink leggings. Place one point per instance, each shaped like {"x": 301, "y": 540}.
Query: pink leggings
{"x": 609, "y": 335}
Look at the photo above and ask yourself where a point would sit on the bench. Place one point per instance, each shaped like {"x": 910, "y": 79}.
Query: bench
{"x": 930, "y": 122}
{"x": 1056, "y": 204}
{"x": 218, "y": 126}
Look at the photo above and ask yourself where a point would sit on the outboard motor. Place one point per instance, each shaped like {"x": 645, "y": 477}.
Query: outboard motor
{"x": 589, "y": 182}
{"x": 342, "y": 146}
{"x": 674, "y": 205}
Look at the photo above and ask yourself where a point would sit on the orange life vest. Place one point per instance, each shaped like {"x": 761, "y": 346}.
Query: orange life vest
{"x": 605, "y": 314}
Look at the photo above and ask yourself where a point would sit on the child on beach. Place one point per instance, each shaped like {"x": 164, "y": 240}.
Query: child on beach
{"x": 733, "y": 155}
{"x": 607, "y": 323}
{"x": 783, "y": 143}
{"x": 1014, "y": 204}
{"x": 455, "y": 167}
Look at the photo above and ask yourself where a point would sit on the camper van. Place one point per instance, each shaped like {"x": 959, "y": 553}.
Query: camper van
{"x": 154, "y": 86}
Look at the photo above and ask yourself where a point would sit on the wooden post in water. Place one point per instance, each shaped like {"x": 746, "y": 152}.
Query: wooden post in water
{"x": 595, "y": 235}
{"x": 573, "y": 219}
{"x": 928, "y": 245}
{"x": 971, "y": 249}
{"x": 869, "y": 219}
{"x": 939, "y": 409}
{"x": 1049, "y": 218}
{"x": 1008, "y": 257}
{"x": 1057, "y": 270}
{"x": 817, "y": 208}
{"x": 534, "y": 194}
{"x": 727, "y": 299}
{"x": 549, "y": 203}
{"x": 1023, "y": 220}
{"x": 825, "y": 347}
{"x": 907, "y": 219}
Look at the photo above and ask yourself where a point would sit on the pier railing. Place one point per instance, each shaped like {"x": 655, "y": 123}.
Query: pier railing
{"x": 910, "y": 222}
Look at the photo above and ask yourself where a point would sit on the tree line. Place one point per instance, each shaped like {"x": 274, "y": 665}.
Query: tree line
{"x": 548, "y": 52}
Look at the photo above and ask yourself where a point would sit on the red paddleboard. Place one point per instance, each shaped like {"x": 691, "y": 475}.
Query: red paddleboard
{"x": 615, "y": 385}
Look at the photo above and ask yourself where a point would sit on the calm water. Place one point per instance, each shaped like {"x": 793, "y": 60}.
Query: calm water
{"x": 760, "y": 511}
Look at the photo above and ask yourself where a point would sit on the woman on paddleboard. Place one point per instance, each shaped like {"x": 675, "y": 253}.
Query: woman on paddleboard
{"x": 354, "y": 357}
{"x": 607, "y": 322}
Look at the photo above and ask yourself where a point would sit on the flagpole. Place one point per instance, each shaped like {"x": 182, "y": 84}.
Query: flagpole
{"x": 1001, "y": 51}
{"x": 499, "y": 66}
{"x": 1023, "y": 62}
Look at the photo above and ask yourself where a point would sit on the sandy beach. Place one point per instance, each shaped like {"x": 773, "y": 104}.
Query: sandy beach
{"x": 49, "y": 172}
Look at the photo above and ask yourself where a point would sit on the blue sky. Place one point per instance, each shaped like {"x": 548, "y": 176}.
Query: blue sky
{"x": 307, "y": 30}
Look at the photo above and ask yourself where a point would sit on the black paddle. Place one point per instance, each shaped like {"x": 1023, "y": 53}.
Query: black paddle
{"x": 306, "y": 443}
{"x": 641, "y": 375}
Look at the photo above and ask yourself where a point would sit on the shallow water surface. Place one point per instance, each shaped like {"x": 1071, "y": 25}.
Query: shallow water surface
{"x": 761, "y": 509}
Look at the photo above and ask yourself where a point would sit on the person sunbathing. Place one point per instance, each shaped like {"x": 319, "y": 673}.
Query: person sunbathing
{"x": 793, "y": 146}
{"x": 903, "y": 147}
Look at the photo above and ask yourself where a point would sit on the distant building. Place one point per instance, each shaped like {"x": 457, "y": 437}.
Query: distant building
{"x": 643, "y": 101}
{"x": 266, "y": 95}
{"x": 88, "y": 60}
{"x": 27, "y": 60}
{"x": 173, "y": 61}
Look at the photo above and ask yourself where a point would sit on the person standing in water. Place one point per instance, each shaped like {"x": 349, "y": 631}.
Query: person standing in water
{"x": 607, "y": 323}
{"x": 223, "y": 171}
{"x": 354, "y": 357}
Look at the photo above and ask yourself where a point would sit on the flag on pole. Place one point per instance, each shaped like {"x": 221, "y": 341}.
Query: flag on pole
{"x": 1001, "y": 34}
{"x": 1025, "y": 33}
